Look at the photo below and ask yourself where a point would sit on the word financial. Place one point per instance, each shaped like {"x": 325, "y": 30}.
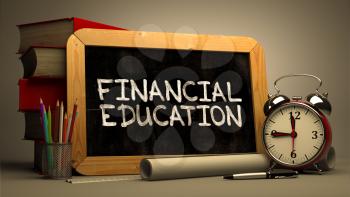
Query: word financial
{"x": 180, "y": 93}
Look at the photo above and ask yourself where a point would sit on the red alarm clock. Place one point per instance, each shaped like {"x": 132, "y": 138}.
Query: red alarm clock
{"x": 297, "y": 133}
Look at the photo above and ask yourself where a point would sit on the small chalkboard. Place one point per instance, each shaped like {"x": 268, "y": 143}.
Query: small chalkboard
{"x": 159, "y": 94}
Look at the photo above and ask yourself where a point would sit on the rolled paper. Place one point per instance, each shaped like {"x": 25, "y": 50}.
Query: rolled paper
{"x": 201, "y": 166}
{"x": 328, "y": 163}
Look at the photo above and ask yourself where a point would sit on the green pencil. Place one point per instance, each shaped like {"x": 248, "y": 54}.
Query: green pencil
{"x": 47, "y": 138}
{"x": 45, "y": 126}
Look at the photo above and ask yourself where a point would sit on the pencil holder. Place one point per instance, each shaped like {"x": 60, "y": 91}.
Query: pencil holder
{"x": 57, "y": 161}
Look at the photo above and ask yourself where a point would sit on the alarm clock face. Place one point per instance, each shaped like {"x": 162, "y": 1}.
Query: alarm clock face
{"x": 294, "y": 135}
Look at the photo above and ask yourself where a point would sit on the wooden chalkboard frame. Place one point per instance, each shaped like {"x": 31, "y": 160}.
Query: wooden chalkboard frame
{"x": 103, "y": 165}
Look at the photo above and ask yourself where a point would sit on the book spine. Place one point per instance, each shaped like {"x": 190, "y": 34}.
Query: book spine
{"x": 32, "y": 89}
{"x": 33, "y": 129}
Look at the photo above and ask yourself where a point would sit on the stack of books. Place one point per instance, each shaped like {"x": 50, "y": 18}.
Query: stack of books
{"x": 43, "y": 55}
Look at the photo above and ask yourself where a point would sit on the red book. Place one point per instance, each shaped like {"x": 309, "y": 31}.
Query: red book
{"x": 54, "y": 32}
{"x": 49, "y": 89}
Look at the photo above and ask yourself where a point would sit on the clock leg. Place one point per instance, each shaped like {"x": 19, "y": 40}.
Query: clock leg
{"x": 318, "y": 169}
{"x": 273, "y": 165}
{"x": 315, "y": 169}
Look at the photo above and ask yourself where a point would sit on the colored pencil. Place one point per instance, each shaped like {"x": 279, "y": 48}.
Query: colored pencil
{"x": 68, "y": 128}
{"x": 57, "y": 121}
{"x": 65, "y": 124}
{"x": 46, "y": 133}
{"x": 74, "y": 114}
{"x": 72, "y": 124}
{"x": 45, "y": 126}
{"x": 49, "y": 125}
{"x": 42, "y": 124}
{"x": 42, "y": 112}
{"x": 61, "y": 123}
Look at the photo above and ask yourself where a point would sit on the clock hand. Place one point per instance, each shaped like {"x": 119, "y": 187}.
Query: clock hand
{"x": 279, "y": 134}
{"x": 292, "y": 121}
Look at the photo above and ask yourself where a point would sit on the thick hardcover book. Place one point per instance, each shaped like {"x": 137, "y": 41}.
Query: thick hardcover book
{"x": 48, "y": 89}
{"x": 54, "y": 32}
{"x": 44, "y": 62}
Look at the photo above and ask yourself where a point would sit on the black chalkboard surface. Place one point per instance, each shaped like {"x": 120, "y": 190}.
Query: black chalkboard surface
{"x": 137, "y": 64}
{"x": 149, "y": 94}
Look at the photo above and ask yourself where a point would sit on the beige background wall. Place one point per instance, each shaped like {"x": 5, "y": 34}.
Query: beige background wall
{"x": 298, "y": 36}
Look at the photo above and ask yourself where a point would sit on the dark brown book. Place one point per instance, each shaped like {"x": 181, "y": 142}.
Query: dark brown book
{"x": 44, "y": 62}
{"x": 54, "y": 32}
{"x": 33, "y": 129}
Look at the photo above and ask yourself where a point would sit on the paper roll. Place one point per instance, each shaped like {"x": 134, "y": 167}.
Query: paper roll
{"x": 328, "y": 163}
{"x": 201, "y": 166}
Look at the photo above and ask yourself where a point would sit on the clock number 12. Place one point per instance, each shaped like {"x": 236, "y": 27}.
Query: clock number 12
{"x": 297, "y": 115}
